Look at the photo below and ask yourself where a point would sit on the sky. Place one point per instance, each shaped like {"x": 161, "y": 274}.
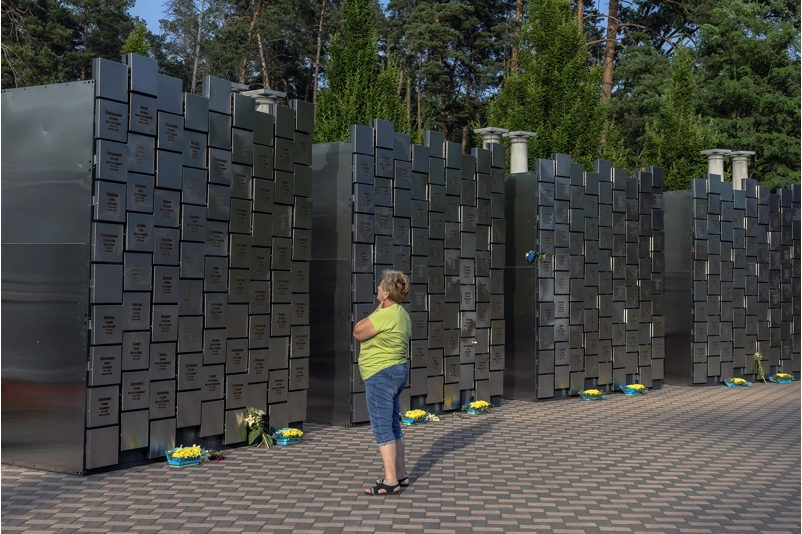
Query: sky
{"x": 151, "y": 11}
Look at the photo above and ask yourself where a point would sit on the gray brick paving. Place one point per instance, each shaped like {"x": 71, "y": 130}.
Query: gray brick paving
{"x": 678, "y": 460}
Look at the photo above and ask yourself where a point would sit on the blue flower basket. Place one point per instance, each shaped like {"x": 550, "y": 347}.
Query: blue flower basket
{"x": 183, "y": 462}
{"x": 630, "y": 392}
{"x": 731, "y": 384}
{"x": 409, "y": 421}
{"x": 780, "y": 380}
{"x": 589, "y": 398}
{"x": 281, "y": 441}
{"x": 472, "y": 411}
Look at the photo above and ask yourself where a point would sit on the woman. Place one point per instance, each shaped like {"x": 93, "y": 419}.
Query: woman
{"x": 384, "y": 345}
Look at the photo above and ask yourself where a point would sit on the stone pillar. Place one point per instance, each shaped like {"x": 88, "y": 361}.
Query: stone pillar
{"x": 740, "y": 167}
{"x": 519, "y": 155}
{"x": 265, "y": 98}
{"x": 490, "y": 135}
{"x": 715, "y": 160}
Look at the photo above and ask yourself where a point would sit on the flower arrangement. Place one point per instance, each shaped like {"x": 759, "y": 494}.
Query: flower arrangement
{"x": 592, "y": 394}
{"x": 538, "y": 257}
{"x": 254, "y": 427}
{"x": 633, "y": 389}
{"x": 287, "y": 436}
{"x": 414, "y": 417}
{"x": 736, "y": 382}
{"x": 181, "y": 456}
{"x": 757, "y": 367}
{"x": 782, "y": 378}
{"x": 477, "y": 407}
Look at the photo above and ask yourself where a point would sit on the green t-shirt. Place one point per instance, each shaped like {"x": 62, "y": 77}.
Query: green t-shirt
{"x": 390, "y": 346}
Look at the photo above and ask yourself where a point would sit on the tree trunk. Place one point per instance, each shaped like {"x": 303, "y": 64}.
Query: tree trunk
{"x": 243, "y": 68}
{"x": 319, "y": 47}
{"x": 580, "y": 15}
{"x": 196, "y": 59}
{"x": 519, "y": 9}
{"x": 420, "y": 110}
{"x": 265, "y": 81}
{"x": 609, "y": 53}
{"x": 86, "y": 46}
{"x": 409, "y": 104}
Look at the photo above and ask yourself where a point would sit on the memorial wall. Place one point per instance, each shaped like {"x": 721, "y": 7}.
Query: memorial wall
{"x": 157, "y": 248}
{"x": 734, "y": 272}
{"x": 435, "y": 214}
{"x": 171, "y": 259}
{"x": 589, "y": 313}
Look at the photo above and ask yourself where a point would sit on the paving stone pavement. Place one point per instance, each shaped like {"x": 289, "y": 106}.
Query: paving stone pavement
{"x": 677, "y": 460}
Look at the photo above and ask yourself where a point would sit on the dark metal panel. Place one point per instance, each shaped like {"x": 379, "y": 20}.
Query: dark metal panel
{"x": 678, "y": 281}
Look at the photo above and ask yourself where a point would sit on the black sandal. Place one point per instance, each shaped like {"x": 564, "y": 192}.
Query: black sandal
{"x": 400, "y": 481}
{"x": 389, "y": 490}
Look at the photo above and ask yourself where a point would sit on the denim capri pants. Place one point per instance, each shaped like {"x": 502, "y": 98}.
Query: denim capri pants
{"x": 383, "y": 396}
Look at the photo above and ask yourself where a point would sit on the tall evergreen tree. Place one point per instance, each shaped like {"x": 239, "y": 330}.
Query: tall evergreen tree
{"x": 36, "y": 37}
{"x": 675, "y": 138}
{"x": 554, "y": 93}
{"x": 137, "y": 41}
{"x": 102, "y": 28}
{"x": 750, "y": 51}
{"x": 359, "y": 87}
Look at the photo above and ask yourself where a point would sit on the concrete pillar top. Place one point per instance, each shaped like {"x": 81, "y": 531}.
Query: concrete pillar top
{"x": 716, "y": 152}
{"x": 491, "y": 130}
{"x": 519, "y": 135}
{"x": 741, "y": 154}
{"x": 265, "y": 96}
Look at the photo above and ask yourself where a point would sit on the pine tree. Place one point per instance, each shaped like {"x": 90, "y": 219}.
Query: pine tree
{"x": 359, "y": 86}
{"x": 137, "y": 42}
{"x": 676, "y": 136}
{"x": 36, "y": 37}
{"x": 554, "y": 93}
{"x": 750, "y": 52}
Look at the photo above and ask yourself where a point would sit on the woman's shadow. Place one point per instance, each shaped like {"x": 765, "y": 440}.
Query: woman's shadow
{"x": 452, "y": 442}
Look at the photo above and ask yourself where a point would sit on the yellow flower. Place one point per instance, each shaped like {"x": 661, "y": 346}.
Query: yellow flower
{"x": 785, "y": 376}
{"x": 640, "y": 388}
{"x": 186, "y": 452}
{"x": 479, "y": 405}
{"x": 739, "y": 381}
{"x": 593, "y": 392}
{"x": 292, "y": 433}
{"x": 416, "y": 414}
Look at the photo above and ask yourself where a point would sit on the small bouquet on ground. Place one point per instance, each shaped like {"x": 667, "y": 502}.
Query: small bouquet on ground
{"x": 213, "y": 455}
{"x": 592, "y": 394}
{"x": 633, "y": 389}
{"x": 414, "y": 417}
{"x": 782, "y": 378}
{"x": 287, "y": 436}
{"x": 181, "y": 456}
{"x": 254, "y": 428}
{"x": 736, "y": 382}
{"x": 477, "y": 407}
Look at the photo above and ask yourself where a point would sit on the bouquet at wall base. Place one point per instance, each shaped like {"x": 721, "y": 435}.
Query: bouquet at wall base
{"x": 736, "y": 382}
{"x": 415, "y": 417}
{"x": 287, "y": 436}
{"x": 782, "y": 378}
{"x": 592, "y": 394}
{"x": 212, "y": 455}
{"x": 633, "y": 389}
{"x": 253, "y": 428}
{"x": 477, "y": 407}
{"x": 182, "y": 456}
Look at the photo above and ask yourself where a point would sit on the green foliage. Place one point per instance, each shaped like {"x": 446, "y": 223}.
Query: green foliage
{"x": 36, "y": 35}
{"x": 751, "y": 90}
{"x": 360, "y": 87}
{"x": 676, "y": 136}
{"x": 554, "y": 93}
{"x": 136, "y": 42}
